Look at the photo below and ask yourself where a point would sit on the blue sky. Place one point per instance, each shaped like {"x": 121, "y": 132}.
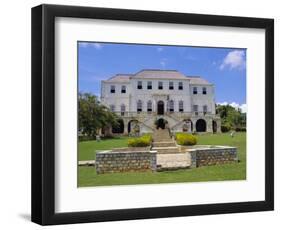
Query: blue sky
{"x": 224, "y": 67}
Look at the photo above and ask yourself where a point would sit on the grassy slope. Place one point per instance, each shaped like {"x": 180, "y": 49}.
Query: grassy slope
{"x": 237, "y": 171}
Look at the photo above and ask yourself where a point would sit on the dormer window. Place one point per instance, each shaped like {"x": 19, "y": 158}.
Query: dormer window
{"x": 194, "y": 90}
{"x": 204, "y": 90}
{"x": 160, "y": 85}
{"x": 123, "y": 89}
{"x": 180, "y": 86}
{"x": 171, "y": 85}
{"x": 112, "y": 89}
{"x": 139, "y": 84}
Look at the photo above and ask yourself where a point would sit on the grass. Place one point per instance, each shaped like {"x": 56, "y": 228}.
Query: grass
{"x": 87, "y": 149}
{"x": 236, "y": 171}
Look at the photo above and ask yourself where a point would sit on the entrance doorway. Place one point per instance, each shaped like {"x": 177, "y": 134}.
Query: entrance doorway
{"x": 161, "y": 123}
{"x": 160, "y": 108}
{"x": 201, "y": 125}
{"x": 214, "y": 126}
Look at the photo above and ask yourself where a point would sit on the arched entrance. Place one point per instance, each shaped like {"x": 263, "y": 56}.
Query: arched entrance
{"x": 201, "y": 125}
{"x": 215, "y": 126}
{"x": 132, "y": 126}
{"x": 161, "y": 123}
{"x": 160, "y": 107}
{"x": 119, "y": 128}
{"x": 187, "y": 124}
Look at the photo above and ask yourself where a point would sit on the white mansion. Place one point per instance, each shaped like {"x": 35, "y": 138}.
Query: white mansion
{"x": 152, "y": 99}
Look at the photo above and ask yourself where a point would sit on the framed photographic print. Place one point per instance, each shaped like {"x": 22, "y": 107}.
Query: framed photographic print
{"x": 143, "y": 114}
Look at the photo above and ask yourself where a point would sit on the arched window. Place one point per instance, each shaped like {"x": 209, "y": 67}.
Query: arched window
{"x": 181, "y": 106}
{"x": 123, "y": 109}
{"x": 149, "y": 106}
{"x": 139, "y": 106}
{"x": 171, "y": 106}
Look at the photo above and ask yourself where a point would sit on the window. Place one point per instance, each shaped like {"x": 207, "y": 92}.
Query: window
{"x": 139, "y": 85}
{"x": 180, "y": 86}
{"x": 149, "y": 106}
{"x": 171, "y": 106}
{"x": 194, "y": 90}
{"x": 204, "y": 91}
{"x": 112, "y": 89}
{"x": 112, "y": 108}
{"x": 180, "y": 106}
{"x": 205, "y": 109}
{"x": 160, "y": 85}
{"x": 123, "y": 109}
{"x": 139, "y": 106}
{"x": 171, "y": 85}
{"x": 195, "y": 109}
{"x": 149, "y": 85}
{"x": 123, "y": 89}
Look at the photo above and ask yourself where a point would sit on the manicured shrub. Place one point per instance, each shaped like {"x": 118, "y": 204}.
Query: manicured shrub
{"x": 185, "y": 139}
{"x": 142, "y": 141}
{"x": 225, "y": 128}
{"x": 240, "y": 129}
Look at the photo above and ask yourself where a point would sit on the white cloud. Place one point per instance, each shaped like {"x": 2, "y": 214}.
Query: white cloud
{"x": 237, "y": 106}
{"x": 96, "y": 45}
{"x": 160, "y": 49}
{"x": 163, "y": 62}
{"x": 234, "y": 60}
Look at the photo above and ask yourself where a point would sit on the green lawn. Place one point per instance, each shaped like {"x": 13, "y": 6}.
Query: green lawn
{"x": 237, "y": 171}
{"x": 87, "y": 149}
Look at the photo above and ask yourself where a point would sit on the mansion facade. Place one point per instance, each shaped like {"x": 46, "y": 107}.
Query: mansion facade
{"x": 152, "y": 99}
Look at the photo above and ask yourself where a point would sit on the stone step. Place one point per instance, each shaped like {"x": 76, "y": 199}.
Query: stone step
{"x": 162, "y": 140}
{"x": 164, "y": 144}
{"x": 166, "y": 150}
{"x": 173, "y": 161}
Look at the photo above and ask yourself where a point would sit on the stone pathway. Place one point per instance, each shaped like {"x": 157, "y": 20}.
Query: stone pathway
{"x": 168, "y": 154}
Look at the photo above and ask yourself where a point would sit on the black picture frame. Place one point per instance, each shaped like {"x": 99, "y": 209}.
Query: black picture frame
{"x": 43, "y": 114}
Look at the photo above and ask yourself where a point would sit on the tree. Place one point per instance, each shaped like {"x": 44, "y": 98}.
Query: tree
{"x": 231, "y": 117}
{"x": 93, "y": 115}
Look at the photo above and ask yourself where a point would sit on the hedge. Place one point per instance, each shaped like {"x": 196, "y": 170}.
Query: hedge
{"x": 240, "y": 129}
{"x": 225, "y": 128}
{"x": 185, "y": 139}
{"x": 142, "y": 141}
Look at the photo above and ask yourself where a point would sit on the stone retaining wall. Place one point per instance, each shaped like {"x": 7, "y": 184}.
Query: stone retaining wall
{"x": 122, "y": 161}
{"x": 213, "y": 156}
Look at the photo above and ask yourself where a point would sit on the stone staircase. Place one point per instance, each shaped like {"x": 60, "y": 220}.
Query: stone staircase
{"x": 168, "y": 154}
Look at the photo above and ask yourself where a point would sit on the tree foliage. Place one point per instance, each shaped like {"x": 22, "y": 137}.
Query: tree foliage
{"x": 231, "y": 117}
{"x": 93, "y": 115}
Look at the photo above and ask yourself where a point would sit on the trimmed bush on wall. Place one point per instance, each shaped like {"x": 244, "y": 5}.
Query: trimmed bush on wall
{"x": 142, "y": 141}
{"x": 185, "y": 139}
